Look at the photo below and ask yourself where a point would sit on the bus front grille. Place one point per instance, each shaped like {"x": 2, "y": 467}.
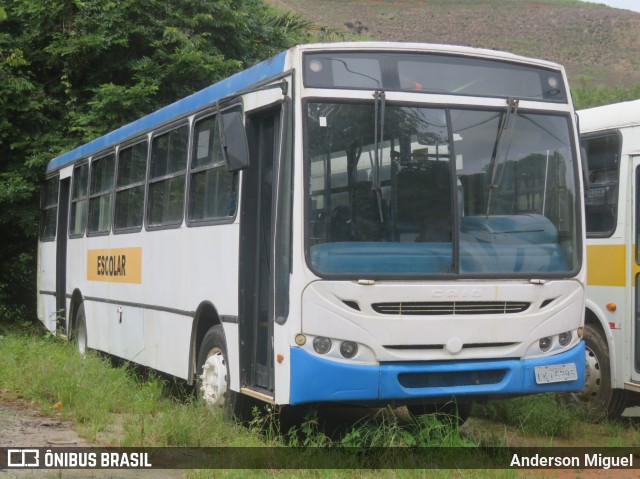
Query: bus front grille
{"x": 450, "y": 307}
{"x": 450, "y": 379}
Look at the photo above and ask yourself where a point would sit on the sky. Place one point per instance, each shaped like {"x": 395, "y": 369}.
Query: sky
{"x": 627, "y": 4}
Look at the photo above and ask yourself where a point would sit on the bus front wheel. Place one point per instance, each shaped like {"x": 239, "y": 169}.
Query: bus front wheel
{"x": 601, "y": 400}
{"x": 213, "y": 376}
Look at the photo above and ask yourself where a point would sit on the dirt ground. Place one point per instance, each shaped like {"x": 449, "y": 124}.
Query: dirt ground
{"x": 22, "y": 425}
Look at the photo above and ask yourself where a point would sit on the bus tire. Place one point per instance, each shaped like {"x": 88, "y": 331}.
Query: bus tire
{"x": 600, "y": 399}
{"x": 452, "y": 411}
{"x": 80, "y": 331}
{"x": 213, "y": 376}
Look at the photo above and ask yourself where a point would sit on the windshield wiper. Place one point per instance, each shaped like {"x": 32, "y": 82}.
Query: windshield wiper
{"x": 508, "y": 126}
{"x": 378, "y": 134}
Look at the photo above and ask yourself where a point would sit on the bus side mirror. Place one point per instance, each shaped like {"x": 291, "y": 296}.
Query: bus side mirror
{"x": 234, "y": 141}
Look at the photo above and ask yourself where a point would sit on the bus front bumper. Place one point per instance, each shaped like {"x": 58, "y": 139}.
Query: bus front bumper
{"x": 315, "y": 379}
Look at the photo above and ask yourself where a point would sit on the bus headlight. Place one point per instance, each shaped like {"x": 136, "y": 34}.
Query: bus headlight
{"x": 545, "y": 344}
{"x": 348, "y": 349}
{"x": 322, "y": 345}
{"x": 564, "y": 338}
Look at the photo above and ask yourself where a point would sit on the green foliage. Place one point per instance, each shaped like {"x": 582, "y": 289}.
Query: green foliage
{"x": 544, "y": 414}
{"x": 73, "y": 70}
{"x": 388, "y": 429}
{"x": 588, "y": 96}
{"x": 98, "y": 397}
{"x": 131, "y": 407}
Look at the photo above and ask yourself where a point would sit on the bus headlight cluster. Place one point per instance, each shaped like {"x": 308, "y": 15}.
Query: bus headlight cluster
{"x": 563, "y": 339}
{"x": 322, "y": 345}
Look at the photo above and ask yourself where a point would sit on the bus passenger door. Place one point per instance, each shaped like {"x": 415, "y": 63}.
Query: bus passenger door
{"x": 61, "y": 250}
{"x": 256, "y": 285}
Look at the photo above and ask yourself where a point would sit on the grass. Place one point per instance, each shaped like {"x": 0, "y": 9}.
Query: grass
{"x": 541, "y": 415}
{"x": 132, "y": 407}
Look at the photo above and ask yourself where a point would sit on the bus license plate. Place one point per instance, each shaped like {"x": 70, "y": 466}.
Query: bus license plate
{"x": 556, "y": 374}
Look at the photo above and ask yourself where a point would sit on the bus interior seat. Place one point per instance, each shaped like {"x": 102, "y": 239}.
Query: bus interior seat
{"x": 359, "y": 221}
{"x": 424, "y": 203}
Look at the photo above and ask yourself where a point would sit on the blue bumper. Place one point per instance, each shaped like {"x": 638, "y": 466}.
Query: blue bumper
{"x": 315, "y": 379}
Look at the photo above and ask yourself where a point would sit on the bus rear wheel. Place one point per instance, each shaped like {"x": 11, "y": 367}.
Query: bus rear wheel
{"x": 80, "y": 331}
{"x": 213, "y": 376}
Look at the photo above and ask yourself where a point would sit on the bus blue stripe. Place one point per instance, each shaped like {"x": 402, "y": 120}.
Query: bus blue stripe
{"x": 317, "y": 379}
{"x": 226, "y": 87}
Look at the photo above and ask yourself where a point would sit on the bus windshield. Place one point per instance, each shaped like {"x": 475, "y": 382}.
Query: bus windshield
{"x": 406, "y": 190}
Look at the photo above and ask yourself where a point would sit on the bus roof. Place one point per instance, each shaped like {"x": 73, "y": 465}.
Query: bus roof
{"x": 209, "y": 95}
{"x": 616, "y": 115}
{"x": 257, "y": 73}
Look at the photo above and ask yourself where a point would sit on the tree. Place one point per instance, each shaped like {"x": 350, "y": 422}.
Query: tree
{"x": 73, "y": 69}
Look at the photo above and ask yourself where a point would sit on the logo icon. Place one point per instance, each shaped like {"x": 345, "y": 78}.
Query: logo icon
{"x": 23, "y": 458}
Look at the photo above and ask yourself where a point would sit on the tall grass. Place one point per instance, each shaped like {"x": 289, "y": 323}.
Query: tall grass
{"x": 541, "y": 415}
{"x": 126, "y": 406}
{"x": 98, "y": 397}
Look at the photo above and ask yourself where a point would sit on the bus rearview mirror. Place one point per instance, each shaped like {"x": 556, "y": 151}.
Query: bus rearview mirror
{"x": 234, "y": 141}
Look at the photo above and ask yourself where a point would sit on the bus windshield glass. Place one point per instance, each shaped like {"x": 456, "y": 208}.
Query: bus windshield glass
{"x": 433, "y": 73}
{"x": 406, "y": 190}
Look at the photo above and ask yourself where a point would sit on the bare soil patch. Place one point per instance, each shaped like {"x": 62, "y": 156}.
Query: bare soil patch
{"x": 24, "y": 425}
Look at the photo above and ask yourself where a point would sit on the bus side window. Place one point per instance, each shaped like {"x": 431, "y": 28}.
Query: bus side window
{"x": 49, "y": 206}
{"x": 165, "y": 205}
{"x": 132, "y": 169}
{"x": 603, "y": 153}
{"x": 100, "y": 192}
{"x": 79, "y": 200}
{"x": 212, "y": 187}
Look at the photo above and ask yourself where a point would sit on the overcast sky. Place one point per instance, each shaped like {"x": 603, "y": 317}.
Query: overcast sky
{"x": 628, "y": 4}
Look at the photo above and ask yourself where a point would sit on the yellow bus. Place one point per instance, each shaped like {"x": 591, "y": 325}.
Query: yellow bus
{"x": 610, "y": 138}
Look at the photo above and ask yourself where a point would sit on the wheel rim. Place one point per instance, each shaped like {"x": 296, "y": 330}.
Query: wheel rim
{"x": 593, "y": 375}
{"x": 82, "y": 338}
{"x": 214, "y": 379}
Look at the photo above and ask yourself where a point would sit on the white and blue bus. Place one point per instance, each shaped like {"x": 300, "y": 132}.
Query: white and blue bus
{"x": 354, "y": 222}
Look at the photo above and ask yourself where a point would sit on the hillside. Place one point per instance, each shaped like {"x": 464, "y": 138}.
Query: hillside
{"x": 596, "y": 44}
